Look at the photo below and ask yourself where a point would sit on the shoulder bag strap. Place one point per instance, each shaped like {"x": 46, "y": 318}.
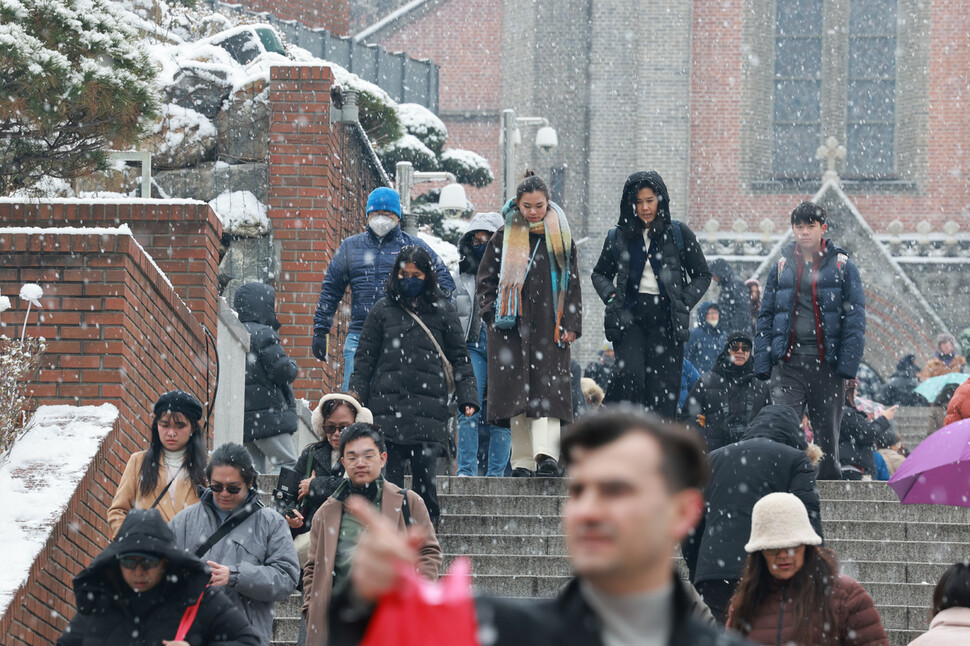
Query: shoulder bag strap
{"x": 406, "y": 508}
{"x": 188, "y": 618}
{"x": 449, "y": 371}
{"x": 226, "y": 527}
{"x": 165, "y": 490}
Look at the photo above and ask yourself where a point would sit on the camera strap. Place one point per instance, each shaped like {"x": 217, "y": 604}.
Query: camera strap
{"x": 228, "y": 526}
{"x": 405, "y": 508}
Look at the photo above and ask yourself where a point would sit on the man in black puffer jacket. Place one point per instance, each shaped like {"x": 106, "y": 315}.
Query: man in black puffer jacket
{"x": 771, "y": 457}
{"x": 270, "y": 419}
{"x": 724, "y": 401}
{"x": 137, "y": 590}
{"x": 898, "y": 389}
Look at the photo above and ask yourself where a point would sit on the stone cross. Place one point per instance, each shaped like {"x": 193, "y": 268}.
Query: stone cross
{"x": 830, "y": 151}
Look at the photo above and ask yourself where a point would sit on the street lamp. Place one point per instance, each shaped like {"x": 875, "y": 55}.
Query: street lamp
{"x": 546, "y": 141}
{"x": 450, "y": 198}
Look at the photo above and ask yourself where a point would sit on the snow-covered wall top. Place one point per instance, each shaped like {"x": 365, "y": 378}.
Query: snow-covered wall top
{"x": 38, "y": 480}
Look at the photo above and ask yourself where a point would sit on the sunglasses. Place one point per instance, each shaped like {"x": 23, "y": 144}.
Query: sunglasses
{"x": 330, "y": 429}
{"x": 739, "y": 347}
{"x": 218, "y": 487}
{"x": 132, "y": 562}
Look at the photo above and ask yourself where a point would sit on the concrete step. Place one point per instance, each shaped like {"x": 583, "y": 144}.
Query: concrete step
{"x": 901, "y": 551}
{"x": 501, "y": 505}
{"x": 885, "y": 530}
{"x": 894, "y": 571}
{"x": 892, "y": 511}
{"x": 473, "y": 524}
{"x": 488, "y": 544}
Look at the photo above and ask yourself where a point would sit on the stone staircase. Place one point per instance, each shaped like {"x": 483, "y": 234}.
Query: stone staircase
{"x": 512, "y": 531}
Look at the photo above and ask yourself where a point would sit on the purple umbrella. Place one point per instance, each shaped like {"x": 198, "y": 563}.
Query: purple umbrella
{"x": 937, "y": 472}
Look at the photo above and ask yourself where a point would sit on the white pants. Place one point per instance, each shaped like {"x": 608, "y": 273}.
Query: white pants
{"x": 532, "y": 437}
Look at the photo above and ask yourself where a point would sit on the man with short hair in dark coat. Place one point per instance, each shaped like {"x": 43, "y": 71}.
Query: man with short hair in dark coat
{"x": 812, "y": 330}
{"x": 137, "y": 590}
{"x": 770, "y": 457}
{"x": 734, "y": 301}
{"x": 634, "y": 493}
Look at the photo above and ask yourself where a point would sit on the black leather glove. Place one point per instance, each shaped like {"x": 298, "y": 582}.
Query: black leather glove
{"x": 320, "y": 346}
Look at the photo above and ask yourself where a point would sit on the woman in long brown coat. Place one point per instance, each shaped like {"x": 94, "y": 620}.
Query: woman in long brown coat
{"x": 530, "y": 300}
{"x": 166, "y": 476}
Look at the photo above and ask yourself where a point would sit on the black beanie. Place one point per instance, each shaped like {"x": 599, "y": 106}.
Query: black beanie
{"x": 178, "y": 401}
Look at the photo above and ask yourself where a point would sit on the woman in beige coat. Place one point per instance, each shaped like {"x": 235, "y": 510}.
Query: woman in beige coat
{"x": 166, "y": 476}
{"x": 950, "y": 625}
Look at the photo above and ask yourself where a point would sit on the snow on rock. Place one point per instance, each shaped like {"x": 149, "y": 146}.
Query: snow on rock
{"x": 445, "y": 250}
{"x": 242, "y": 214}
{"x": 181, "y": 137}
{"x": 37, "y": 480}
{"x": 423, "y": 124}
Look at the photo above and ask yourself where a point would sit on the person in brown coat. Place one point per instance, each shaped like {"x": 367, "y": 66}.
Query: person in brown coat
{"x": 946, "y": 359}
{"x": 167, "y": 475}
{"x": 530, "y": 300}
{"x": 792, "y": 590}
{"x": 334, "y": 535}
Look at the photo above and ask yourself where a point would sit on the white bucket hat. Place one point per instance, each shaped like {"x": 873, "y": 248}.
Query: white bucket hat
{"x": 316, "y": 419}
{"x": 780, "y": 520}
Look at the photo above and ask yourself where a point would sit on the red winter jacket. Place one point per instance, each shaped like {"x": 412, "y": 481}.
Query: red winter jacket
{"x": 856, "y": 618}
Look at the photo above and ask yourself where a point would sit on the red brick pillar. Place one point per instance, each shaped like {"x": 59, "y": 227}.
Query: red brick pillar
{"x": 303, "y": 196}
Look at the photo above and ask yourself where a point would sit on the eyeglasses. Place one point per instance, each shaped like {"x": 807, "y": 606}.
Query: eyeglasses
{"x": 132, "y": 562}
{"x": 370, "y": 456}
{"x": 739, "y": 347}
{"x": 217, "y": 487}
{"x": 330, "y": 429}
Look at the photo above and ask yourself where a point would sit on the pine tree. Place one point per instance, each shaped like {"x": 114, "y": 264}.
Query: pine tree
{"x": 73, "y": 83}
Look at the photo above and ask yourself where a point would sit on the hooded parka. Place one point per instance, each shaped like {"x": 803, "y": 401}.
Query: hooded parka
{"x": 899, "y": 388}
{"x": 467, "y": 278}
{"x": 270, "y": 404}
{"x": 683, "y": 277}
{"x": 769, "y": 458}
{"x": 734, "y": 301}
{"x": 528, "y": 373}
{"x": 110, "y": 612}
{"x": 728, "y": 397}
{"x": 859, "y": 438}
{"x": 399, "y": 376}
{"x": 263, "y": 567}
{"x": 706, "y": 341}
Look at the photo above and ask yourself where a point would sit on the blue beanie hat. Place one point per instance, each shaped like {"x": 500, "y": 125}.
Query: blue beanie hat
{"x": 384, "y": 199}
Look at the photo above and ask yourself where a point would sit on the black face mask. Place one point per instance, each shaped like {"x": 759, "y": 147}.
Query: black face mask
{"x": 479, "y": 249}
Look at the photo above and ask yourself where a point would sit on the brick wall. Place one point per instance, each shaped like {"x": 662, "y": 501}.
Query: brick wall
{"x": 320, "y": 176}
{"x": 41, "y": 609}
{"x": 465, "y": 38}
{"x": 332, "y": 15}
{"x": 181, "y": 236}
{"x": 719, "y": 108}
{"x": 117, "y": 332}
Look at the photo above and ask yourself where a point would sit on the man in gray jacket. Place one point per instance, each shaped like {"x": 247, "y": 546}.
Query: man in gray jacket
{"x": 255, "y": 560}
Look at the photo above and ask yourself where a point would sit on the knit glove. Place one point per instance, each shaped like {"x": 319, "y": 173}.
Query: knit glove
{"x": 320, "y": 346}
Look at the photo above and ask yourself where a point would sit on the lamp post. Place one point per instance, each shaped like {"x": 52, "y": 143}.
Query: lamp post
{"x": 546, "y": 141}
{"x": 451, "y": 198}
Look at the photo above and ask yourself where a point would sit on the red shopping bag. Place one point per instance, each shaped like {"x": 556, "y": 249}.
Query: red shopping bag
{"x": 421, "y": 613}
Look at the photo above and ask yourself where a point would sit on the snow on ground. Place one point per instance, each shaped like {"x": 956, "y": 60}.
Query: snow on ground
{"x": 37, "y": 480}
{"x": 241, "y": 213}
{"x": 445, "y": 250}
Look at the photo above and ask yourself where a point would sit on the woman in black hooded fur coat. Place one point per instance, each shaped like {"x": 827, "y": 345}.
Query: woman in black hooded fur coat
{"x": 650, "y": 274}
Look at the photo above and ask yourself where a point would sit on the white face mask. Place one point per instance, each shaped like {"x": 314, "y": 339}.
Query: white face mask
{"x": 381, "y": 225}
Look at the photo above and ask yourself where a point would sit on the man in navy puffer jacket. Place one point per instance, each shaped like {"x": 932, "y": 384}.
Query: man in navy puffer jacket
{"x": 364, "y": 262}
{"x": 811, "y": 330}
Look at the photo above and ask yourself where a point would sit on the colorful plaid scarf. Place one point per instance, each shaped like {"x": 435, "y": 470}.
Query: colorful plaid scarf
{"x": 516, "y": 255}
